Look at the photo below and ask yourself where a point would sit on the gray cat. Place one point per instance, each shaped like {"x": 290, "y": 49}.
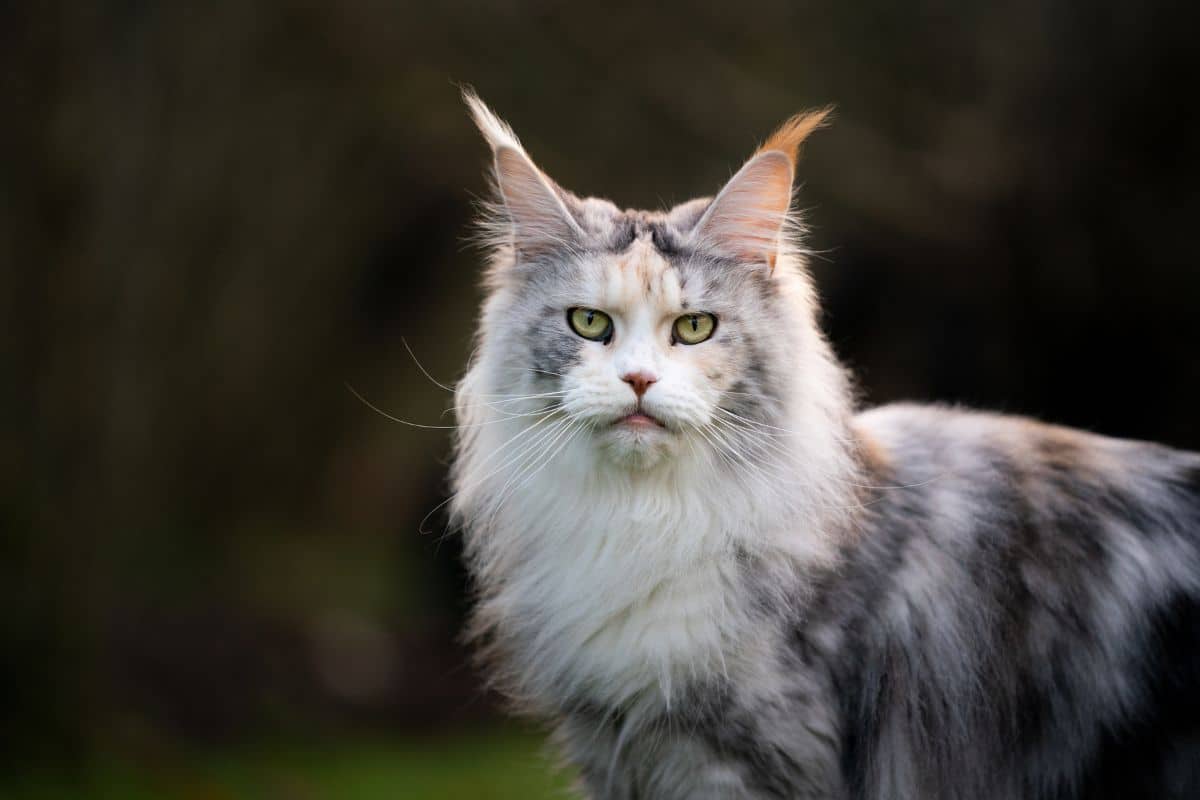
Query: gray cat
{"x": 716, "y": 578}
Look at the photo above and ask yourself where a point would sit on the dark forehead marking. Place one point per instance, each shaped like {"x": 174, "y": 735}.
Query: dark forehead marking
{"x": 633, "y": 225}
{"x": 667, "y": 240}
{"x": 669, "y": 235}
{"x": 625, "y": 232}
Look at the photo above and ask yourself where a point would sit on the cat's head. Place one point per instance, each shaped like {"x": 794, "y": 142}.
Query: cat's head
{"x": 662, "y": 333}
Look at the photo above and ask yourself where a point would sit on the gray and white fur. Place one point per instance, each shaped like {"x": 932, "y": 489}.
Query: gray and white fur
{"x": 717, "y": 579}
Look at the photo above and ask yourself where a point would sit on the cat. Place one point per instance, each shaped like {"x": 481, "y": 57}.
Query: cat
{"x": 715, "y": 577}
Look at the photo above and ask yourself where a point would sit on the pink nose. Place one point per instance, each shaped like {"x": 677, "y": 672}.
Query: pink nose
{"x": 640, "y": 381}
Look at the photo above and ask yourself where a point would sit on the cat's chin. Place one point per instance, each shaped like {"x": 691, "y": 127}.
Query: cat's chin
{"x": 636, "y": 442}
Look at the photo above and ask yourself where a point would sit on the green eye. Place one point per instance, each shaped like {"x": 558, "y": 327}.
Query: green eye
{"x": 694, "y": 328}
{"x": 590, "y": 323}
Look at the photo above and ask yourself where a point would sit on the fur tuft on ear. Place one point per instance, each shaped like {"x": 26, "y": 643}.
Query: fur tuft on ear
{"x": 788, "y": 137}
{"x": 747, "y": 218}
{"x": 533, "y": 213}
{"x": 495, "y": 130}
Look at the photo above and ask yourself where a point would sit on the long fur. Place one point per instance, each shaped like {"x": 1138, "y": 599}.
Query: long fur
{"x": 774, "y": 597}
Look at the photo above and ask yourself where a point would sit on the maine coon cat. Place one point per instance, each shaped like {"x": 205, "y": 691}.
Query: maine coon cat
{"x": 717, "y": 578}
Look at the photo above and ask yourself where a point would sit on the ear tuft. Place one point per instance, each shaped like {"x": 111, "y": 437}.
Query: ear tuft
{"x": 495, "y": 130}
{"x": 533, "y": 215}
{"x": 747, "y": 218}
{"x": 791, "y": 134}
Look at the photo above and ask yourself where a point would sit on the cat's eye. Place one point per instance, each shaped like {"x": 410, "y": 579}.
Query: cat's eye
{"x": 694, "y": 328}
{"x": 590, "y": 323}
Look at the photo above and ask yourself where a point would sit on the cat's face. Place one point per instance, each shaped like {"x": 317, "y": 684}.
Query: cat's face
{"x": 662, "y": 334}
{"x": 653, "y": 351}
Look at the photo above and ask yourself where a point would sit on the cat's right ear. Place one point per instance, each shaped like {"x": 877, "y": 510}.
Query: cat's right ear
{"x": 532, "y": 206}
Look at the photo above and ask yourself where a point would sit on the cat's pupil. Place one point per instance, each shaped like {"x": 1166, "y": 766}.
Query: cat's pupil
{"x": 695, "y": 324}
{"x": 590, "y": 316}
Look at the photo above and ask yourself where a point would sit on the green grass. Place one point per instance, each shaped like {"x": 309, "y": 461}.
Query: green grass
{"x": 500, "y": 765}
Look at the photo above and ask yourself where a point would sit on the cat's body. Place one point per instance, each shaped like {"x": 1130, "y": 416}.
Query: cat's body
{"x": 719, "y": 582}
{"x": 1014, "y": 623}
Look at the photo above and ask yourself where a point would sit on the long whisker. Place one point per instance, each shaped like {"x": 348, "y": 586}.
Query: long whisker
{"x": 512, "y": 457}
{"x": 507, "y": 399}
{"x": 452, "y": 389}
{"x": 534, "y": 371}
{"x": 422, "y": 426}
{"x": 525, "y": 369}
{"x": 760, "y": 439}
{"x": 754, "y": 422}
{"x": 765, "y": 426}
{"x": 529, "y": 466}
{"x": 504, "y": 448}
{"x": 769, "y": 440}
{"x": 771, "y": 470}
{"x": 546, "y": 372}
{"x": 494, "y": 405}
{"x": 720, "y": 450}
{"x": 421, "y": 367}
{"x": 736, "y": 462}
{"x": 539, "y": 464}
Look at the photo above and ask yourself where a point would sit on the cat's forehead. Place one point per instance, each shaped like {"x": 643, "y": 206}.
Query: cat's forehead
{"x": 633, "y": 257}
{"x": 615, "y": 231}
{"x": 636, "y": 276}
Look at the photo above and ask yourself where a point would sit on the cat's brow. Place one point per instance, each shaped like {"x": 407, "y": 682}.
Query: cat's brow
{"x": 641, "y": 225}
{"x": 624, "y": 234}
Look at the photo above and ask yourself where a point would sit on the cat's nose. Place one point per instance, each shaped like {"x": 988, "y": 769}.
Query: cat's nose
{"x": 640, "y": 381}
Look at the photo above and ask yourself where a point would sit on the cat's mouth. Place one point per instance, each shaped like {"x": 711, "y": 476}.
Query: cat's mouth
{"x": 640, "y": 419}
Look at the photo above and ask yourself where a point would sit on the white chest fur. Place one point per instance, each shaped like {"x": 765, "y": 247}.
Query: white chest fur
{"x": 611, "y": 586}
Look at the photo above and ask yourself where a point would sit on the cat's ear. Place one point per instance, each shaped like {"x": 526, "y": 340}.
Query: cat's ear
{"x": 745, "y": 221}
{"x": 533, "y": 206}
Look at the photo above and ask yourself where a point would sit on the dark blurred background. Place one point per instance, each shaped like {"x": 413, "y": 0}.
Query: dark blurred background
{"x": 214, "y": 216}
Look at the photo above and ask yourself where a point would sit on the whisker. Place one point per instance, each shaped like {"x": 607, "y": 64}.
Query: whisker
{"x": 535, "y": 370}
{"x": 534, "y": 464}
{"x": 422, "y": 426}
{"x": 510, "y": 399}
{"x": 493, "y": 404}
{"x": 421, "y": 367}
{"x": 452, "y": 389}
{"x": 760, "y": 424}
{"x": 754, "y": 422}
{"x": 717, "y": 448}
{"x": 761, "y": 439}
{"x": 767, "y": 438}
{"x": 732, "y": 460}
{"x": 521, "y": 451}
{"x": 569, "y": 432}
{"x": 771, "y": 471}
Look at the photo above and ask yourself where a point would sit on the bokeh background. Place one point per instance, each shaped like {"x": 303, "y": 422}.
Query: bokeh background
{"x": 215, "y": 216}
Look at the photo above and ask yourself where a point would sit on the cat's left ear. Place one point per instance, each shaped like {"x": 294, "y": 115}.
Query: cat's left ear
{"x": 745, "y": 221}
{"x": 534, "y": 206}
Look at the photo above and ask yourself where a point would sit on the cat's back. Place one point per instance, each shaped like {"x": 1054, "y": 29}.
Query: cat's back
{"x": 999, "y": 459}
{"x": 1032, "y": 492}
{"x": 1022, "y": 601}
